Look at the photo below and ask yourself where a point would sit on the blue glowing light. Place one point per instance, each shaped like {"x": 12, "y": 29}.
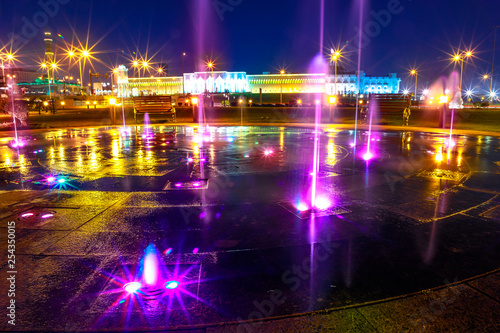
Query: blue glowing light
{"x": 171, "y": 284}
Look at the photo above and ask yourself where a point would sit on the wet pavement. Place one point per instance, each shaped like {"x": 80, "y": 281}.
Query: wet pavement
{"x": 224, "y": 208}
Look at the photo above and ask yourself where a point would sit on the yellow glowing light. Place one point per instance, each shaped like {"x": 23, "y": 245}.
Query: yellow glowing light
{"x": 469, "y": 53}
{"x": 456, "y": 58}
{"x": 361, "y": 102}
{"x": 194, "y": 100}
{"x": 439, "y": 155}
{"x": 250, "y": 101}
{"x": 71, "y": 53}
{"x": 85, "y": 53}
{"x": 210, "y": 65}
{"x": 115, "y": 70}
{"x": 282, "y": 71}
{"x": 53, "y": 65}
{"x": 160, "y": 70}
{"x": 10, "y": 56}
{"x": 443, "y": 99}
{"x": 63, "y": 103}
{"x": 87, "y": 102}
{"x": 136, "y": 63}
{"x": 44, "y": 65}
{"x": 45, "y": 103}
{"x": 95, "y": 102}
{"x": 299, "y": 101}
{"x": 241, "y": 101}
{"x": 485, "y": 76}
{"x": 337, "y": 53}
{"x": 332, "y": 100}
{"x": 413, "y": 72}
{"x": 145, "y": 64}
{"x": 112, "y": 101}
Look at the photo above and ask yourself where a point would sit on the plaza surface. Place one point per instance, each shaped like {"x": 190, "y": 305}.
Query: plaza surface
{"x": 423, "y": 214}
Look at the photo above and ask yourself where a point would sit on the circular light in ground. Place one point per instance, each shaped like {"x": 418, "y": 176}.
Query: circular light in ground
{"x": 132, "y": 287}
{"x": 46, "y": 216}
{"x": 302, "y": 207}
{"x": 367, "y": 156}
{"x": 27, "y": 214}
{"x": 323, "y": 203}
{"x": 171, "y": 284}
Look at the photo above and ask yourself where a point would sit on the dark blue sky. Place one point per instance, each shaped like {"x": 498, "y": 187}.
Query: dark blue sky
{"x": 264, "y": 35}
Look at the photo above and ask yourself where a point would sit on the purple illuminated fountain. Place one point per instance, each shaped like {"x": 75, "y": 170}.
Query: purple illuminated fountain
{"x": 152, "y": 283}
{"x": 147, "y": 133}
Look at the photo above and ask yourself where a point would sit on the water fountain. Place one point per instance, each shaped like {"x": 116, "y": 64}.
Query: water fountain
{"x": 152, "y": 281}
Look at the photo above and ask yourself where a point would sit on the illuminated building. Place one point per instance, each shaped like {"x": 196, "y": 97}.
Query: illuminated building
{"x": 241, "y": 82}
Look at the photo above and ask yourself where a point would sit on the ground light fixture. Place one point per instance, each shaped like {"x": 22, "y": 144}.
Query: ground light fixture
{"x": 171, "y": 284}
{"x": 132, "y": 287}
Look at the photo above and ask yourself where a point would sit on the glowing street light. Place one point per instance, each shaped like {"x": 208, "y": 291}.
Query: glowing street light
{"x": 460, "y": 57}
{"x": 414, "y": 72}
{"x": 335, "y": 58}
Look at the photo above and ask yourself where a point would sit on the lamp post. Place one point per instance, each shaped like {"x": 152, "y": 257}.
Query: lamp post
{"x": 460, "y": 57}
{"x": 8, "y": 57}
{"x": 335, "y": 58}
{"x": 136, "y": 64}
{"x": 183, "y": 89}
{"x": 414, "y": 72}
{"x": 281, "y": 93}
{"x": 493, "y": 62}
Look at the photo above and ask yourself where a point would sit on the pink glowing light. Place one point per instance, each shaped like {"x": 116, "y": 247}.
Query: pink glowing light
{"x": 168, "y": 251}
{"x": 19, "y": 143}
{"x": 132, "y": 287}
{"x": 367, "y": 156}
{"x": 196, "y": 184}
{"x": 322, "y": 203}
{"x": 51, "y": 179}
{"x": 178, "y": 184}
{"x": 268, "y": 152}
{"x": 302, "y": 207}
{"x": 190, "y": 159}
{"x": 46, "y": 216}
{"x": 151, "y": 268}
{"x": 195, "y": 250}
{"x": 450, "y": 143}
{"x": 171, "y": 284}
{"x": 27, "y": 214}
{"x": 351, "y": 144}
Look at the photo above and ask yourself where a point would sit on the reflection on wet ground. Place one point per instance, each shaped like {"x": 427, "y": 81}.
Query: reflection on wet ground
{"x": 228, "y": 209}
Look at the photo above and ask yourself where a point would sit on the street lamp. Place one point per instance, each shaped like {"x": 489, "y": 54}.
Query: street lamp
{"x": 136, "y": 64}
{"x": 335, "y": 58}
{"x": 145, "y": 65}
{"x": 183, "y": 90}
{"x": 460, "y": 57}
{"x": 9, "y": 57}
{"x": 414, "y": 72}
{"x": 281, "y": 94}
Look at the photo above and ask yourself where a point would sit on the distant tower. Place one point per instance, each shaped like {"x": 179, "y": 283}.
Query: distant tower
{"x": 49, "y": 55}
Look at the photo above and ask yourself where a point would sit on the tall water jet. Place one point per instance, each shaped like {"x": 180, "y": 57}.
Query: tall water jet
{"x": 151, "y": 266}
{"x": 360, "y": 40}
{"x": 318, "y": 65}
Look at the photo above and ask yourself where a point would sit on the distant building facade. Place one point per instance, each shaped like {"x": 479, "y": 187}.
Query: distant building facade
{"x": 241, "y": 82}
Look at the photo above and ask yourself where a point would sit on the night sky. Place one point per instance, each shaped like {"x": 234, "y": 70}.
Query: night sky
{"x": 264, "y": 35}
